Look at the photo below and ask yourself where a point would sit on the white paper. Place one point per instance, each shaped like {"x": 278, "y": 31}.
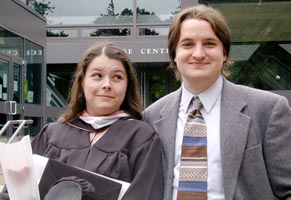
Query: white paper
{"x": 40, "y": 163}
{"x": 18, "y": 170}
{"x": 124, "y": 187}
{"x": 5, "y": 80}
{"x": 30, "y": 97}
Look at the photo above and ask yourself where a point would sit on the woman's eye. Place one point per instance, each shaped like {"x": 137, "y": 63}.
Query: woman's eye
{"x": 117, "y": 77}
{"x": 97, "y": 75}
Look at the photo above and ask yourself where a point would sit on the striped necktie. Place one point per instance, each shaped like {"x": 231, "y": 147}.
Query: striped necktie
{"x": 193, "y": 169}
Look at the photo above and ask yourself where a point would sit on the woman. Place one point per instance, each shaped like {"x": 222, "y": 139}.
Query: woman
{"x": 102, "y": 131}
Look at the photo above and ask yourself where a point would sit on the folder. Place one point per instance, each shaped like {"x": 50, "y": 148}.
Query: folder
{"x": 54, "y": 170}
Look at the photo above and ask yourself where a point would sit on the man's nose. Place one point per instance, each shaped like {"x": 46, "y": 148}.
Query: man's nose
{"x": 198, "y": 52}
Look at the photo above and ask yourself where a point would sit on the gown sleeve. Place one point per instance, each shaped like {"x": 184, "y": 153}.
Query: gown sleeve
{"x": 147, "y": 183}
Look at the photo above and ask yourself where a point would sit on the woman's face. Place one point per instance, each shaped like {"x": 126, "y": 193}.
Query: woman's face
{"x": 104, "y": 85}
{"x": 199, "y": 55}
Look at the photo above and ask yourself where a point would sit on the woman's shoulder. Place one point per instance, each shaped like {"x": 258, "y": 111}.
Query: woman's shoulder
{"x": 50, "y": 131}
{"x": 56, "y": 132}
{"x": 53, "y": 127}
{"x": 63, "y": 135}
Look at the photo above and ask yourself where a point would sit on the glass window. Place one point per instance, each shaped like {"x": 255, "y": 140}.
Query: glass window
{"x": 51, "y": 119}
{"x": 4, "y": 80}
{"x": 155, "y": 80}
{"x": 85, "y": 33}
{"x": 17, "y": 82}
{"x": 90, "y": 12}
{"x": 3, "y": 120}
{"x": 34, "y": 128}
{"x": 11, "y": 43}
{"x": 110, "y": 32}
{"x": 57, "y": 88}
{"x": 59, "y": 81}
{"x": 261, "y": 42}
{"x": 34, "y": 62}
{"x": 159, "y": 84}
{"x": 153, "y": 11}
{"x": 153, "y": 31}
{"x": 61, "y": 33}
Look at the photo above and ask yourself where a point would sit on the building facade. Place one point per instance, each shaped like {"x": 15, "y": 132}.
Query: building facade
{"x": 22, "y": 64}
{"x": 261, "y": 44}
{"x": 261, "y": 40}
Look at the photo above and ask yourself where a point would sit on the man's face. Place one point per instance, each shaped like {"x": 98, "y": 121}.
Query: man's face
{"x": 199, "y": 55}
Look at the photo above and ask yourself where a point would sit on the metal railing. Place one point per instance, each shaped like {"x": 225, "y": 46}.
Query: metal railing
{"x": 19, "y": 128}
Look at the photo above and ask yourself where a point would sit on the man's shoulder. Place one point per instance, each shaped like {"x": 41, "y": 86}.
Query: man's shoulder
{"x": 251, "y": 94}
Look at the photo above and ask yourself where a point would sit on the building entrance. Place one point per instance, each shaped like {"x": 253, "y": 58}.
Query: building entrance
{"x": 155, "y": 80}
{"x": 11, "y": 90}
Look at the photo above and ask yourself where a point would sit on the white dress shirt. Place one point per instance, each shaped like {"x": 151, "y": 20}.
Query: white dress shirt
{"x": 211, "y": 100}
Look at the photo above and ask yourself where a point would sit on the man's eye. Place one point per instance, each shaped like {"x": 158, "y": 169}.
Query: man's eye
{"x": 187, "y": 44}
{"x": 210, "y": 44}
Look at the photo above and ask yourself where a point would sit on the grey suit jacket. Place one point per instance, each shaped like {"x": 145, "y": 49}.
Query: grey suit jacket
{"x": 255, "y": 131}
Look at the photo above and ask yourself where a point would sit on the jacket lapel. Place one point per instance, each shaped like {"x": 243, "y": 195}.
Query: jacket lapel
{"x": 234, "y": 127}
{"x": 167, "y": 125}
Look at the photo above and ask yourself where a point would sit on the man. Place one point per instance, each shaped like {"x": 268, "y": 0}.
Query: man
{"x": 248, "y": 130}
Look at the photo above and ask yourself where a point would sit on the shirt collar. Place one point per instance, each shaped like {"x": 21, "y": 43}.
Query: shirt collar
{"x": 207, "y": 97}
{"x": 185, "y": 99}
